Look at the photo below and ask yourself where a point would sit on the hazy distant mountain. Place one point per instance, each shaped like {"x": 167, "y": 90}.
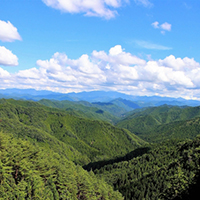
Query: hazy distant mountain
{"x": 126, "y": 104}
{"x": 35, "y": 95}
{"x": 97, "y": 96}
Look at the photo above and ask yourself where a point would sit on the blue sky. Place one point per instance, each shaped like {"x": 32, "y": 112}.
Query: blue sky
{"x": 138, "y": 47}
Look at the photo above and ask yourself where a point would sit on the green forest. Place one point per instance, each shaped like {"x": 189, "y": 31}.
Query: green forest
{"x": 98, "y": 151}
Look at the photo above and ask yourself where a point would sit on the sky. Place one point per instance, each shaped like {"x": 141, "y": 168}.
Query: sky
{"x": 137, "y": 47}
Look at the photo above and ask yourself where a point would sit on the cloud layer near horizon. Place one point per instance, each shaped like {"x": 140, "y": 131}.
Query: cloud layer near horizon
{"x": 116, "y": 70}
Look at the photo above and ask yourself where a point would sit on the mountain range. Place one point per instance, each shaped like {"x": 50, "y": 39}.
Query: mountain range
{"x": 95, "y": 96}
{"x": 61, "y": 146}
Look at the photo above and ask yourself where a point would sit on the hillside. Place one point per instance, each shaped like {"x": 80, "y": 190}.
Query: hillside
{"x": 169, "y": 170}
{"x": 160, "y": 123}
{"x": 44, "y": 144}
{"x": 79, "y": 139}
{"x": 30, "y": 172}
{"x": 110, "y": 107}
{"x": 185, "y": 129}
{"x": 126, "y": 104}
{"x": 85, "y": 108}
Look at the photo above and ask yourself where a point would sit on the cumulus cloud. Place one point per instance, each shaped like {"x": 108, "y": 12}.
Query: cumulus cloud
{"x": 4, "y": 73}
{"x": 118, "y": 56}
{"x": 113, "y": 70}
{"x": 185, "y": 64}
{"x": 98, "y": 8}
{"x": 7, "y": 58}
{"x": 163, "y": 27}
{"x": 8, "y": 33}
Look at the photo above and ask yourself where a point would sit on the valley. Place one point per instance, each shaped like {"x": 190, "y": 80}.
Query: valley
{"x": 99, "y": 100}
{"x": 107, "y": 150}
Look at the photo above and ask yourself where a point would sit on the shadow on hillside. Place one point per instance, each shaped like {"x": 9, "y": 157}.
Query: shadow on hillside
{"x": 192, "y": 192}
{"x": 133, "y": 154}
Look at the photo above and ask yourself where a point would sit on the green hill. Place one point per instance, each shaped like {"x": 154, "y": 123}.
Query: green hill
{"x": 186, "y": 129}
{"x": 116, "y": 110}
{"x": 92, "y": 111}
{"x": 78, "y": 138}
{"x": 26, "y": 122}
{"x": 43, "y": 144}
{"x": 160, "y": 123}
{"x": 169, "y": 170}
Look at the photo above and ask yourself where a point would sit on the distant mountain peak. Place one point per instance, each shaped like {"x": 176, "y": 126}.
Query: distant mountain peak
{"x": 96, "y": 96}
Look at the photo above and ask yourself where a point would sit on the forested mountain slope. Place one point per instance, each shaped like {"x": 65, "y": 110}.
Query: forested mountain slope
{"x": 126, "y": 104}
{"x": 166, "y": 113}
{"x": 169, "y": 170}
{"x": 93, "y": 111}
{"x": 186, "y": 129}
{"x": 31, "y": 172}
{"x": 79, "y": 139}
{"x": 163, "y": 122}
{"x": 25, "y": 122}
{"x": 42, "y": 148}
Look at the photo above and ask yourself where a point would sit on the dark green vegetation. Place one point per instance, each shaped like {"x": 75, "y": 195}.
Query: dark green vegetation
{"x": 166, "y": 171}
{"x": 45, "y": 147}
{"x": 164, "y": 122}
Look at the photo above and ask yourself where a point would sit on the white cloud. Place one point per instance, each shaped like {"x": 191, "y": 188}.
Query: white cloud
{"x": 155, "y": 24}
{"x": 7, "y": 58}
{"x": 150, "y": 45}
{"x": 8, "y": 33}
{"x": 115, "y": 50}
{"x": 98, "y": 8}
{"x": 166, "y": 26}
{"x": 163, "y": 27}
{"x": 32, "y": 73}
{"x": 163, "y": 75}
{"x": 113, "y": 70}
{"x": 118, "y": 56}
{"x": 179, "y": 64}
{"x": 4, "y": 73}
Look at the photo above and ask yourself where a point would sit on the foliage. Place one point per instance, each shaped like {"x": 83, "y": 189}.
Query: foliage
{"x": 110, "y": 112}
{"x": 167, "y": 171}
{"x": 79, "y": 139}
{"x": 164, "y": 122}
{"x": 31, "y": 172}
{"x": 43, "y": 146}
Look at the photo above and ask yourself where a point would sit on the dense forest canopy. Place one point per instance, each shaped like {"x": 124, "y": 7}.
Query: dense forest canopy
{"x": 30, "y": 172}
{"x": 62, "y": 150}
